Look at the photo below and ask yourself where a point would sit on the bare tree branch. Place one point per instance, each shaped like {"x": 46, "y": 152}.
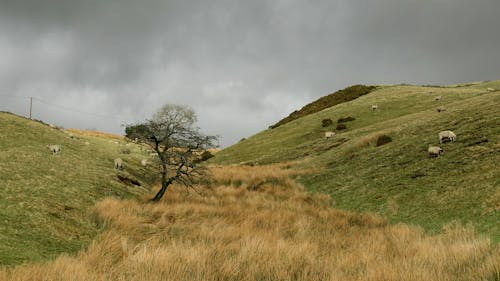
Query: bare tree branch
{"x": 173, "y": 136}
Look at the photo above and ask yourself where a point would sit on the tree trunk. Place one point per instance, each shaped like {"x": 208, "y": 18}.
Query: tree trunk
{"x": 159, "y": 195}
{"x": 164, "y": 185}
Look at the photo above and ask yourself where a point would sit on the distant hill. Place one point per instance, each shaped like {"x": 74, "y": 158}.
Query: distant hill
{"x": 90, "y": 133}
{"x": 252, "y": 222}
{"x": 344, "y": 95}
{"x": 398, "y": 179}
{"x": 45, "y": 199}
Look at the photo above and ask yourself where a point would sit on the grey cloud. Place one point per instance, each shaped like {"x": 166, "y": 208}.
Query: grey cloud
{"x": 241, "y": 64}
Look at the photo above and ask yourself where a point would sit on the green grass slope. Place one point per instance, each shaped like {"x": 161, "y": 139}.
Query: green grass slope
{"x": 46, "y": 200}
{"x": 398, "y": 179}
{"x": 340, "y": 96}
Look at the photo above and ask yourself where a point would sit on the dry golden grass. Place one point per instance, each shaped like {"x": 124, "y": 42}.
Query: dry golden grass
{"x": 98, "y": 134}
{"x": 255, "y": 223}
{"x": 372, "y": 138}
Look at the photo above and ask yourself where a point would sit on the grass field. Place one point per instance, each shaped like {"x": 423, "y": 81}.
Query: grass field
{"x": 337, "y": 209}
{"x": 398, "y": 180}
{"x": 45, "y": 200}
{"x": 255, "y": 223}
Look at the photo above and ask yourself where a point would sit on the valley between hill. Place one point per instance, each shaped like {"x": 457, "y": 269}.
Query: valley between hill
{"x": 284, "y": 204}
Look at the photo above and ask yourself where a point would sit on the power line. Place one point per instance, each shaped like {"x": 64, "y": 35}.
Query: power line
{"x": 17, "y": 99}
{"x": 13, "y": 97}
{"x": 103, "y": 116}
{"x": 65, "y": 108}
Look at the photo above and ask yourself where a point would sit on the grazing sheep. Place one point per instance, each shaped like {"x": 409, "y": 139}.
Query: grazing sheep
{"x": 153, "y": 155}
{"x": 54, "y": 148}
{"x": 435, "y": 151}
{"x": 490, "y": 89}
{"x": 329, "y": 135}
{"x": 437, "y": 98}
{"x": 144, "y": 162}
{"x": 374, "y": 107}
{"x": 87, "y": 143}
{"x": 118, "y": 164}
{"x": 447, "y": 135}
{"x": 441, "y": 109}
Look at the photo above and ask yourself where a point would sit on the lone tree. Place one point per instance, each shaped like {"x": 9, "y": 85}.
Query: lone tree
{"x": 177, "y": 141}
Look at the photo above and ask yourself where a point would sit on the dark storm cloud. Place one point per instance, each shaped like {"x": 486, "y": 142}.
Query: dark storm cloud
{"x": 241, "y": 64}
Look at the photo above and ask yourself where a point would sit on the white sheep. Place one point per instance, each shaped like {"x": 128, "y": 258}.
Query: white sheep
{"x": 447, "y": 135}
{"x": 153, "y": 155}
{"x": 490, "y": 89}
{"x": 144, "y": 162}
{"x": 329, "y": 135}
{"x": 437, "y": 98}
{"x": 374, "y": 107}
{"x": 435, "y": 151}
{"x": 54, "y": 148}
{"x": 441, "y": 109}
{"x": 118, "y": 164}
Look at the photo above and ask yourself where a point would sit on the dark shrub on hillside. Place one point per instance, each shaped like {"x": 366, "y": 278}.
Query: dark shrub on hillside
{"x": 326, "y": 122}
{"x": 439, "y": 86}
{"x": 346, "y": 119}
{"x": 206, "y": 155}
{"x": 128, "y": 181}
{"x": 125, "y": 151}
{"x": 341, "y": 96}
{"x": 39, "y": 121}
{"x": 383, "y": 139}
{"x": 340, "y": 127}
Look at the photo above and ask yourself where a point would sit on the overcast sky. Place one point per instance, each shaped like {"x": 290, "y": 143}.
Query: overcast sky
{"x": 242, "y": 65}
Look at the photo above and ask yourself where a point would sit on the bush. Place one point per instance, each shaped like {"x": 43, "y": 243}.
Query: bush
{"x": 326, "y": 122}
{"x": 206, "y": 155}
{"x": 383, "y": 139}
{"x": 346, "y": 119}
{"x": 340, "y": 127}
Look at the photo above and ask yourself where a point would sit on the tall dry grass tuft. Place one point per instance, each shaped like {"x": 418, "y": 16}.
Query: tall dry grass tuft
{"x": 373, "y": 137}
{"x": 90, "y": 133}
{"x": 255, "y": 223}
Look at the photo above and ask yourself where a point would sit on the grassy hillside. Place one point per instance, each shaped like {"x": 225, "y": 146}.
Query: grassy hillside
{"x": 241, "y": 223}
{"x": 398, "y": 180}
{"x": 45, "y": 200}
{"x": 344, "y": 95}
{"x": 255, "y": 223}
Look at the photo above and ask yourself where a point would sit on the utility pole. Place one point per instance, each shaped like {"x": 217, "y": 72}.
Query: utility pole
{"x": 31, "y": 105}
